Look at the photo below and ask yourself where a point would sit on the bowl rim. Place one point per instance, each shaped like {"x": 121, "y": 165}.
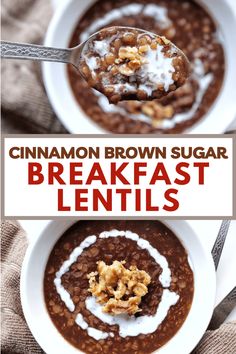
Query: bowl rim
{"x": 204, "y": 297}
{"x": 68, "y": 113}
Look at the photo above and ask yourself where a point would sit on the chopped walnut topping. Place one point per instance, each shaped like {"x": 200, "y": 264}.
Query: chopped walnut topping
{"x": 126, "y": 70}
{"x": 165, "y": 40}
{"x": 153, "y": 109}
{"x": 129, "y": 53}
{"x": 119, "y": 289}
{"x": 131, "y": 58}
{"x": 157, "y": 111}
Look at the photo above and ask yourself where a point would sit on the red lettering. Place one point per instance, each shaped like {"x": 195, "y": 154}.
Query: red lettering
{"x": 79, "y": 200}
{"x": 160, "y": 174}
{"x": 98, "y": 197}
{"x": 75, "y": 173}
{"x": 35, "y": 175}
{"x": 137, "y": 172}
{"x": 60, "y": 204}
{"x": 117, "y": 173}
{"x": 123, "y": 195}
{"x": 137, "y": 199}
{"x": 181, "y": 172}
{"x": 96, "y": 174}
{"x": 201, "y": 166}
{"x": 55, "y": 169}
{"x": 169, "y": 198}
{"x": 149, "y": 206}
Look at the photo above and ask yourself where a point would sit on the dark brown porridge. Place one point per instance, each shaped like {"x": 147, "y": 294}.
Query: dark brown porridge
{"x": 118, "y": 286}
{"x": 131, "y": 64}
{"x": 191, "y": 29}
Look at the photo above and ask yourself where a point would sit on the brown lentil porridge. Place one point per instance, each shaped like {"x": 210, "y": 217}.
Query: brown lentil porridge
{"x": 81, "y": 325}
{"x": 131, "y": 64}
{"x": 192, "y": 30}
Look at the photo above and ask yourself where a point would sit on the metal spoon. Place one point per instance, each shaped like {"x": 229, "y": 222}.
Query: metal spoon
{"x": 74, "y": 56}
{"x": 219, "y": 242}
{"x": 222, "y": 311}
{"x": 224, "y": 308}
{"x": 14, "y": 50}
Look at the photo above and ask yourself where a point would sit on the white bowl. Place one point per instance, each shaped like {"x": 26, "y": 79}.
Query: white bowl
{"x": 60, "y": 94}
{"x": 52, "y": 342}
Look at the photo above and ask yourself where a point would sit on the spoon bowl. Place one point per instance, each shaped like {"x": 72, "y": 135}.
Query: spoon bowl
{"x": 123, "y": 63}
{"x": 126, "y": 63}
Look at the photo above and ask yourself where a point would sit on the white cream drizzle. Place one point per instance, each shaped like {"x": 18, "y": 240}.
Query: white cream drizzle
{"x": 92, "y": 332}
{"x": 92, "y": 63}
{"x": 97, "y": 334}
{"x": 165, "y": 277}
{"x": 64, "y": 295}
{"x": 159, "y": 13}
{"x": 157, "y": 70}
{"x": 101, "y": 47}
{"x": 203, "y": 82}
{"x": 129, "y": 326}
{"x": 126, "y": 87}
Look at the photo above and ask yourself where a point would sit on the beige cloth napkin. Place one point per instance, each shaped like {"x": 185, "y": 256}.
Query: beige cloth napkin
{"x": 16, "y": 337}
{"x": 25, "y": 106}
{"x": 221, "y": 341}
{"x": 15, "y": 334}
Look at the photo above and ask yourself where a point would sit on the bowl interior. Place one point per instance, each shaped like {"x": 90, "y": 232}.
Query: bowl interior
{"x": 68, "y": 110}
{"x": 49, "y": 338}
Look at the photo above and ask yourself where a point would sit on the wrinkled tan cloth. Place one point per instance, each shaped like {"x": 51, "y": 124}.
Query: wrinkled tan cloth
{"x": 16, "y": 337}
{"x": 25, "y": 106}
{"x": 15, "y": 334}
{"x": 220, "y": 341}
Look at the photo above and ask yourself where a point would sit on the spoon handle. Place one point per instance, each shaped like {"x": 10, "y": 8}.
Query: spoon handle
{"x": 222, "y": 310}
{"x": 219, "y": 243}
{"x": 13, "y": 50}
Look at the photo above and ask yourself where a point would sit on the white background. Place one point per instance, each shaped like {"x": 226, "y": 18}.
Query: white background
{"x": 214, "y": 198}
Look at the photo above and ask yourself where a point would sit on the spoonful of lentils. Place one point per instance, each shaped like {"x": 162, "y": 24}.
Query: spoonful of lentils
{"x": 123, "y": 63}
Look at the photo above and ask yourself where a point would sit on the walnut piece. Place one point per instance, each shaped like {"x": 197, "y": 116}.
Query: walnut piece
{"x": 153, "y": 109}
{"x": 119, "y": 289}
{"x": 156, "y": 111}
{"x": 131, "y": 59}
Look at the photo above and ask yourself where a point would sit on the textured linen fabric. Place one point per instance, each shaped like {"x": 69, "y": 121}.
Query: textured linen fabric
{"x": 220, "y": 341}
{"x": 15, "y": 335}
{"x": 24, "y": 103}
